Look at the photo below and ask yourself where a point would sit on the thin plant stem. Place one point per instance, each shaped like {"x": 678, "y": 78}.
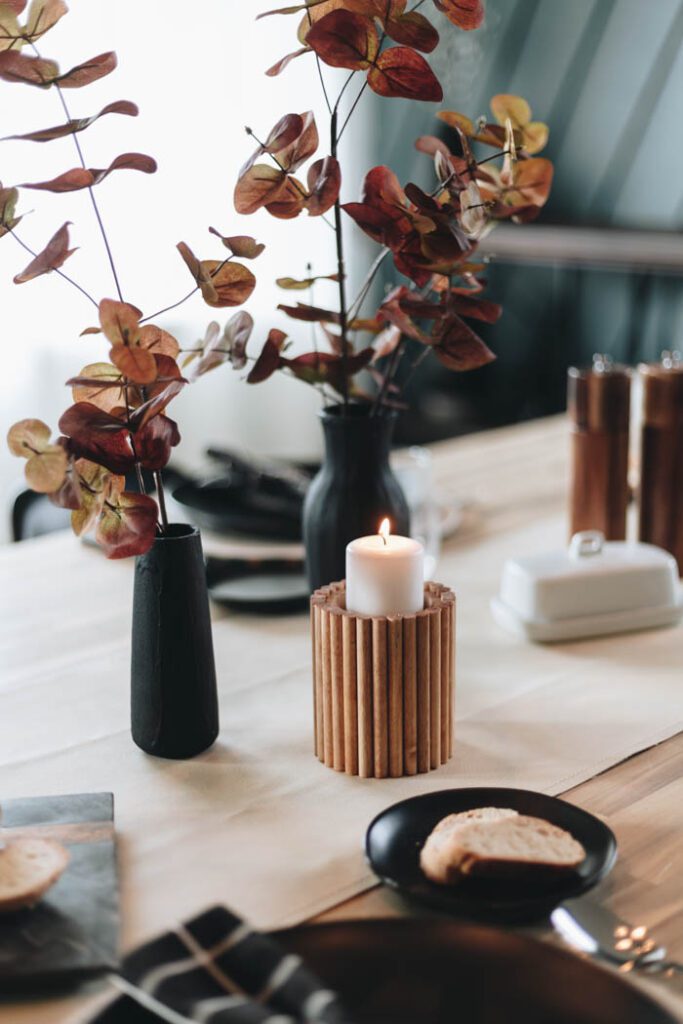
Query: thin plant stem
{"x": 161, "y": 497}
{"x": 55, "y": 270}
{"x": 91, "y": 193}
{"x": 367, "y": 283}
{"x": 153, "y": 316}
{"x": 353, "y": 107}
{"x": 341, "y": 270}
{"x": 415, "y": 367}
{"x": 388, "y": 378}
{"x": 320, "y": 70}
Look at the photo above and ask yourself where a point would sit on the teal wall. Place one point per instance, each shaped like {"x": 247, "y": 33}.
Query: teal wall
{"x": 607, "y": 76}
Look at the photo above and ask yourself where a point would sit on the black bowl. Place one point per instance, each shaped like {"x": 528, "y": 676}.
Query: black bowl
{"x": 396, "y": 836}
{"x": 441, "y": 972}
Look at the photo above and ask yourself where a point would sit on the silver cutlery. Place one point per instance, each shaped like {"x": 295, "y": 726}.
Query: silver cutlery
{"x": 593, "y": 929}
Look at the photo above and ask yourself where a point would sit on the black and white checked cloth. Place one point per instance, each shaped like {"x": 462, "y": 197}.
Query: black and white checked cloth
{"x": 215, "y": 970}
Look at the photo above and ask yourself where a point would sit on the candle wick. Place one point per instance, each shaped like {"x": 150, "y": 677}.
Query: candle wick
{"x": 384, "y": 539}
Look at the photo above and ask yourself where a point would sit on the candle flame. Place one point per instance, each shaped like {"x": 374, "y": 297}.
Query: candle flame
{"x": 385, "y": 530}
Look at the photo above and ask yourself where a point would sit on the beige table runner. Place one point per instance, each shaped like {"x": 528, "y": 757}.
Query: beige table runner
{"x": 258, "y": 823}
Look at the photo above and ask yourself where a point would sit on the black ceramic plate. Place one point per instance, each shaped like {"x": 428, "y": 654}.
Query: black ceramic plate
{"x": 263, "y": 585}
{"x": 446, "y": 972}
{"x": 223, "y": 507}
{"x": 396, "y": 836}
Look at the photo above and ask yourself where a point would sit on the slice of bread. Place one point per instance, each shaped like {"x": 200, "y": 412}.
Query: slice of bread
{"x": 28, "y": 868}
{"x": 502, "y": 845}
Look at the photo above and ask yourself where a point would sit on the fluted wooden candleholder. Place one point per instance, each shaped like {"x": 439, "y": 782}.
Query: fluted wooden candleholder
{"x": 383, "y": 687}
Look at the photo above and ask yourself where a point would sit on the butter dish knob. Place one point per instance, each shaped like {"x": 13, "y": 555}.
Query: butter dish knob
{"x": 586, "y": 543}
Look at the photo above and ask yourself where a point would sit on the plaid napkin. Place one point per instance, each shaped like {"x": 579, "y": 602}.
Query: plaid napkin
{"x": 215, "y": 970}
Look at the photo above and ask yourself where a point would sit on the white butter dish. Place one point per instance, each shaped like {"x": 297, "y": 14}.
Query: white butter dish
{"x": 592, "y": 588}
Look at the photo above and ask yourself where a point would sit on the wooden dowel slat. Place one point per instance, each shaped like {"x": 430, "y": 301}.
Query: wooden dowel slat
{"x": 337, "y": 659}
{"x": 380, "y": 709}
{"x": 350, "y": 695}
{"x": 410, "y": 695}
{"x": 451, "y": 702}
{"x": 445, "y": 681}
{"x": 423, "y": 694}
{"x": 316, "y": 615}
{"x": 434, "y": 690}
{"x": 395, "y": 677}
{"x": 326, "y": 643}
{"x": 366, "y": 764}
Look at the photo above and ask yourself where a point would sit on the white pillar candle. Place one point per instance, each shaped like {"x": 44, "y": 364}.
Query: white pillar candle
{"x": 384, "y": 574}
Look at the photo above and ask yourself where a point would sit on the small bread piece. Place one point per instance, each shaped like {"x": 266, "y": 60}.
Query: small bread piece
{"x": 511, "y": 846}
{"x": 28, "y": 868}
{"x": 436, "y": 856}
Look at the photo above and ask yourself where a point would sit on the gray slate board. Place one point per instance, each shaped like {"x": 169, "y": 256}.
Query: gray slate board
{"x": 74, "y": 929}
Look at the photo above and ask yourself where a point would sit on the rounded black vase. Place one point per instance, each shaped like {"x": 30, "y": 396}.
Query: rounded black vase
{"x": 353, "y": 491}
{"x": 174, "y": 703}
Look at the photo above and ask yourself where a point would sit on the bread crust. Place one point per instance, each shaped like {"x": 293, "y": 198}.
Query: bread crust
{"x": 41, "y": 861}
{"x": 498, "y": 844}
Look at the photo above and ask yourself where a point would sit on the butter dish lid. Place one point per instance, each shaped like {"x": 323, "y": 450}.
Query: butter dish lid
{"x": 592, "y": 587}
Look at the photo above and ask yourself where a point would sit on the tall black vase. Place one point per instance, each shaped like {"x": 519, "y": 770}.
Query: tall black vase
{"x": 174, "y": 704}
{"x": 354, "y": 490}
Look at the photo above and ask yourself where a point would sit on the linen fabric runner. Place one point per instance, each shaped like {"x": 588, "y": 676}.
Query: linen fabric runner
{"x": 257, "y": 823}
{"x": 214, "y": 969}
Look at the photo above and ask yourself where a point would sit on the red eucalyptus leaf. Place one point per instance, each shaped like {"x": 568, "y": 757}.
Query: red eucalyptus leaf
{"x": 154, "y": 441}
{"x": 16, "y": 6}
{"x": 42, "y": 16}
{"x": 296, "y": 285}
{"x": 46, "y": 463}
{"x": 100, "y": 384}
{"x": 310, "y": 314}
{"x": 324, "y": 183}
{"x": 458, "y": 347}
{"x": 281, "y": 64}
{"x": 135, "y": 363}
{"x": 413, "y": 29}
{"x": 79, "y": 177}
{"x": 477, "y": 309}
{"x": 68, "y": 494}
{"x": 90, "y": 71}
{"x": 269, "y": 359}
{"x": 291, "y": 157}
{"x": 16, "y": 67}
{"x": 160, "y": 342}
{"x": 243, "y": 246}
{"x": 8, "y": 205}
{"x": 400, "y": 71}
{"x": 127, "y": 525}
{"x": 344, "y": 40}
{"x": 326, "y": 368}
{"x": 55, "y": 253}
{"x": 260, "y": 185}
{"x": 386, "y": 342}
{"x": 231, "y": 284}
{"x": 286, "y": 131}
{"x": 466, "y": 14}
{"x": 235, "y": 338}
{"x": 76, "y": 125}
{"x": 156, "y": 405}
{"x": 120, "y": 322}
{"x": 94, "y": 483}
{"x": 98, "y": 436}
{"x": 291, "y": 200}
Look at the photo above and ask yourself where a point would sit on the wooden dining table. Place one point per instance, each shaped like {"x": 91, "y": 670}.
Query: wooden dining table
{"x": 642, "y": 797}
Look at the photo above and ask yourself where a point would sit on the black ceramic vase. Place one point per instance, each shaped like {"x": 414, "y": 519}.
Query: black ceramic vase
{"x": 353, "y": 491}
{"x": 174, "y": 704}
